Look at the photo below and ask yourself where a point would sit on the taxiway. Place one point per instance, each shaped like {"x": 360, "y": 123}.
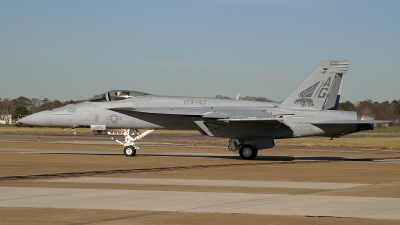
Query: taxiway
{"x": 94, "y": 183}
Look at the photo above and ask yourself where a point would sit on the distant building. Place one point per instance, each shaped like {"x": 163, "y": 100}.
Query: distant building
{"x": 6, "y": 119}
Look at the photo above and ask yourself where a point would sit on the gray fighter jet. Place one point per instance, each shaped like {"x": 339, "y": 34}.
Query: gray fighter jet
{"x": 310, "y": 110}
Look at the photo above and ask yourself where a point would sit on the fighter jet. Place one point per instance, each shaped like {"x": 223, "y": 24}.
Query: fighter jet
{"x": 310, "y": 110}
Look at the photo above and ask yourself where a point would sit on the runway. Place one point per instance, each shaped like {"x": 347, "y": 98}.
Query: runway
{"x": 226, "y": 183}
{"x": 96, "y": 184}
{"x": 209, "y": 202}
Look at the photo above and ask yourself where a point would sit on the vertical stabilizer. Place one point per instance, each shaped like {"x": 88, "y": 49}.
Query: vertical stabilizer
{"x": 321, "y": 88}
{"x": 332, "y": 98}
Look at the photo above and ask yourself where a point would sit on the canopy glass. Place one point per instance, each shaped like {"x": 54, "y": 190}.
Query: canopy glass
{"x": 116, "y": 95}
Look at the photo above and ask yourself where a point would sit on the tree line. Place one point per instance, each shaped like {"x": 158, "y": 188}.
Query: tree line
{"x": 378, "y": 110}
{"x": 248, "y": 98}
{"x": 23, "y": 106}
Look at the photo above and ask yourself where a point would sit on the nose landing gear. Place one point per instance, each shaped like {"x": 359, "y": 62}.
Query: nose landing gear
{"x": 130, "y": 147}
{"x": 130, "y": 151}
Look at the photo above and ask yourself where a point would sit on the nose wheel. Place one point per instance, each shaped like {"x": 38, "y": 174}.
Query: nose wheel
{"x": 129, "y": 151}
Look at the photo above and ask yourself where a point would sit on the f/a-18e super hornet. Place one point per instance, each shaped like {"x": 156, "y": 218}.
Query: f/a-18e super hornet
{"x": 310, "y": 110}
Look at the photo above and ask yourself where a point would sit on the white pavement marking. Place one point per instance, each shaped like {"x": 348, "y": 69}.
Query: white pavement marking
{"x": 221, "y": 183}
{"x": 211, "y": 202}
{"x": 388, "y": 160}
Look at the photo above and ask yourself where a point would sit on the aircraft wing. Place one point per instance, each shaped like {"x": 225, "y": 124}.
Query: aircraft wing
{"x": 250, "y": 119}
{"x": 164, "y": 110}
{"x": 242, "y": 115}
{"x": 225, "y": 114}
{"x": 344, "y": 122}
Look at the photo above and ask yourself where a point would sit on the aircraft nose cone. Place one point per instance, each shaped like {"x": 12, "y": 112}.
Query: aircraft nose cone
{"x": 38, "y": 119}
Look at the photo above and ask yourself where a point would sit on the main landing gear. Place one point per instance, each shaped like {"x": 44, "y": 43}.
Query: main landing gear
{"x": 248, "y": 149}
{"x": 130, "y": 147}
{"x": 248, "y": 152}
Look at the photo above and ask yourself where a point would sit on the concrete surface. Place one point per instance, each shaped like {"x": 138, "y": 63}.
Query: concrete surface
{"x": 69, "y": 183}
{"x": 209, "y": 202}
{"x": 227, "y": 183}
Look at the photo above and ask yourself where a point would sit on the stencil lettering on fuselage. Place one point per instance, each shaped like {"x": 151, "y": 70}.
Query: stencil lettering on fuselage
{"x": 303, "y": 128}
{"x": 194, "y": 102}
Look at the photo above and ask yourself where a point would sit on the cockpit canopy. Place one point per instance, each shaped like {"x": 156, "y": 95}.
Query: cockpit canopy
{"x": 116, "y": 95}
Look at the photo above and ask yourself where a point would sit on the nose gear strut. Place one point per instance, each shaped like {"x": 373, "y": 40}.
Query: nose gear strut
{"x": 130, "y": 147}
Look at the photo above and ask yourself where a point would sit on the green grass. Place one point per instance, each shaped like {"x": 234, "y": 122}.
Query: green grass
{"x": 12, "y": 129}
{"x": 8, "y": 129}
{"x": 387, "y": 130}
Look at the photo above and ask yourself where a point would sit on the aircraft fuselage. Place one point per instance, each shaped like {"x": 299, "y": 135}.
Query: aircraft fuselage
{"x": 97, "y": 115}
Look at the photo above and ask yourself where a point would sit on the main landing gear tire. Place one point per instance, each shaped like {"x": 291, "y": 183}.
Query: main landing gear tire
{"x": 248, "y": 152}
{"x": 129, "y": 151}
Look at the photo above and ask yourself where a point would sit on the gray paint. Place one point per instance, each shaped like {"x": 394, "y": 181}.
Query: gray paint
{"x": 302, "y": 114}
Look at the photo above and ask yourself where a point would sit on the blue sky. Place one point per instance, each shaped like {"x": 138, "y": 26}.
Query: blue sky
{"x": 70, "y": 50}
